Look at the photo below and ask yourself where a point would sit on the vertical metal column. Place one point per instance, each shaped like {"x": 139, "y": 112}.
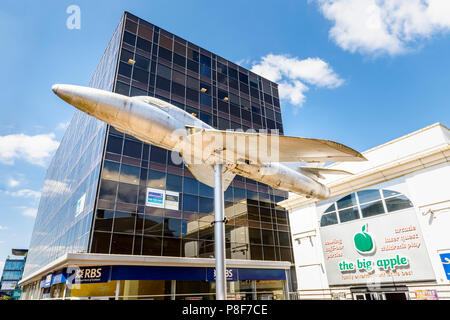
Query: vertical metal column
{"x": 219, "y": 233}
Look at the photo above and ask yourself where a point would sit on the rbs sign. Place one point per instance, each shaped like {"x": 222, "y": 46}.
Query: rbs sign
{"x": 89, "y": 274}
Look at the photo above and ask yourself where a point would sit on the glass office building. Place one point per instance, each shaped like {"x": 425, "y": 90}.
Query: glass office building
{"x": 94, "y": 201}
{"x": 12, "y": 273}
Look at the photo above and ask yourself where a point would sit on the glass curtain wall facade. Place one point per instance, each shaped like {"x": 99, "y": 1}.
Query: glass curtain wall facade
{"x": 94, "y": 197}
{"x": 157, "y": 63}
{"x": 64, "y": 218}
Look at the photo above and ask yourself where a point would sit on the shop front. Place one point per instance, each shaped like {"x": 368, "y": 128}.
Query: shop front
{"x": 158, "y": 282}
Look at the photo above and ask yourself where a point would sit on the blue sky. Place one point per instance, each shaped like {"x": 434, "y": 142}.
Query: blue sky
{"x": 359, "y": 72}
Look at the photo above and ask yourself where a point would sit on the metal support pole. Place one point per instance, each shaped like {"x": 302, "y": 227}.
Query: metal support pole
{"x": 219, "y": 233}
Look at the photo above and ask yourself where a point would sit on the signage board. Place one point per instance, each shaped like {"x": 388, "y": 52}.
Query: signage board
{"x": 80, "y": 205}
{"x": 155, "y": 198}
{"x": 231, "y": 274}
{"x": 382, "y": 249}
{"x": 445, "y": 259}
{"x": 172, "y": 199}
{"x": 426, "y": 295}
{"x": 162, "y": 199}
{"x": 8, "y": 285}
{"x": 78, "y": 275}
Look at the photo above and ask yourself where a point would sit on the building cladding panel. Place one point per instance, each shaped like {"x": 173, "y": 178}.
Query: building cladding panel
{"x": 154, "y": 62}
{"x": 73, "y": 175}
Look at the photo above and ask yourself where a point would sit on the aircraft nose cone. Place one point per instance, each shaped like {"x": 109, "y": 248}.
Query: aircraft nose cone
{"x": 55, "y": 88}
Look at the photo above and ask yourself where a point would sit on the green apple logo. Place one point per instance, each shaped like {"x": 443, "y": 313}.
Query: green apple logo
{"x": 363, "y": 242}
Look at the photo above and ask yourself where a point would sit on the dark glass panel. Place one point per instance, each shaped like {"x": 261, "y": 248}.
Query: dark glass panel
{"x": 122, "y": 244}
{"x": 171, "y": 247}
{"x": 243, "y": 78}
{"x": 398, "y": 203}
{"x": 368, "y": 195}
{"x": 151, "y": 246}
{"x": 137, "y": 92}
{"x": 330, "y": 208}
{"x": 192, "y": 65}
{"x": 165, "y": 54}
{"x": 125, "y": 69}
{"x": 204, "y": 60}
{"x": 108, "y": 190}
{"x": 104, "y": 220}
{"x": 153, "y": 225}
{"x": 269, "y": 253}
{"x": 122, "y": 88}
{"x": 206, "y": 205}
{"x": 156, "y": 179}
{"x": 193, "y": 54}
{"x": 179, "y": 60}
{"x": 172, "y": 227}
{"x": 162, "y": 83}
{"x": 267, "y": 237}
{"x": 232, "y": 73}
{"x": 190, "y": 203}
{"x": 111, "y": 171}
{"x": 256, "y": 252}
{"x": 284, "y": 239}
{"x": 130, "y": 174}
{"x": 205, "y": 71}
{"x": 328, "y": 219}
{"x": 205, "y": 100}
{"x": 144, "y": 45}
{"x": 126, "y": 55}
{"x": 164, "y": 71}
{"x": 158, "y": 155}
{"x": 140, "y": 75}
{"x": 132, "y": 149}
{"x": 372, "y": 209}
{"x": 254, "y": 235}
{"x": 190, "y": 186}
{"x": 129, "y": 38}
{"x": 101, "y": 242}
{"x": 127, "y": 193}
{"x": 348, "y": 214}
{"x": 178, "y": 89}
{"x": 174, "y": 183}
{"x": 124, "y": 222}
{"x": 348, "y": 201}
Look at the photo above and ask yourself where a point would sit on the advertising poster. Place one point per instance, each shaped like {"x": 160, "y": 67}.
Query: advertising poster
{"x": 172, "y": 200}
{"x": 155, "y": 198}
{"x": 382, "y": 249}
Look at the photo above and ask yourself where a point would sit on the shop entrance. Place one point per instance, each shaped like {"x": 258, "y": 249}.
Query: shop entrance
{"x": 382, "y": 293}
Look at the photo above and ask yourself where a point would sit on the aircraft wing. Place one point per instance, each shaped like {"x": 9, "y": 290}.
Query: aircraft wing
{"x": 232, "y": 147}
{"x": 205, "y": 174}
{"x": 319, "y": 172}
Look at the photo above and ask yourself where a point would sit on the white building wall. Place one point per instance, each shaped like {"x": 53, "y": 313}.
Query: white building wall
{"x": 426, "y": 184}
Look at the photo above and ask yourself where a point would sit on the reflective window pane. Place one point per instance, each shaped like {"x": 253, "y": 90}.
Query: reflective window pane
{"x": 111, "y": 170}
{"x": 348, "y": 201}
{"x": 372, "y": 209}
{"x": 368, "y": 195}
{"x": 156, "y": 179}
{"x": 348, "y": 214}
{"x": 124, "y": 222}
{"x": 390, "y": 193}
{"x": 130, "y": 174}
{"x": 398, "y": 203}
{"x": 328, "y": 219}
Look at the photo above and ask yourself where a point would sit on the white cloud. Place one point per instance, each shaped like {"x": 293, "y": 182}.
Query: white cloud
{"x": 33, "y": 149}
{"x": 28, "y": 212}
{"x": 292, "y": 73}
{"x": 53, "y": 187}
{"x": 13, "y": 182}
{"x": 384, "y": 26}
{"x": 2, "y": 228}
{"x": 24, "y": 193}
